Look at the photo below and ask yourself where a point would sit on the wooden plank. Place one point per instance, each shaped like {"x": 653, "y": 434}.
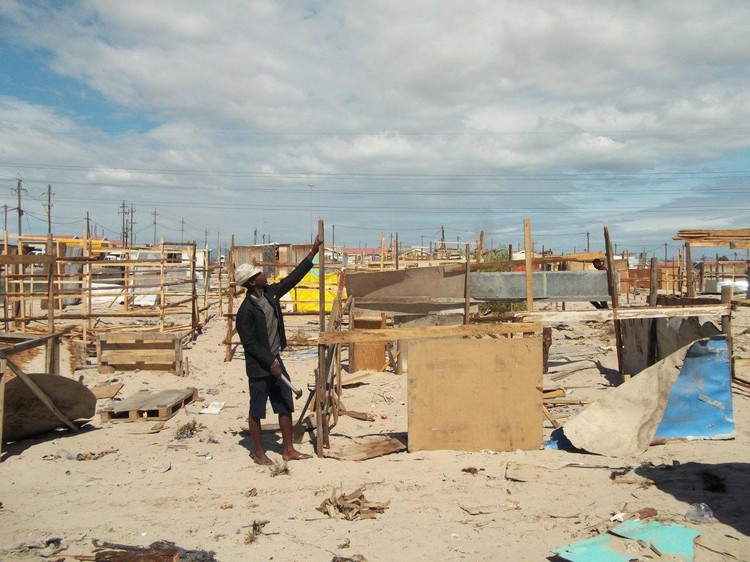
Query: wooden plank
{"x": 475, "y": 394}
{"x": 125, "y": 357}
{"x": 529, "y": 255}
{"x": 106, "y": 391}
{"x": 604, "y": 315}
{"x": 429, "y": 332}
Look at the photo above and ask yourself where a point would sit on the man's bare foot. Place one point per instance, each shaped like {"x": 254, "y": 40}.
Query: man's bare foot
{"x": 262, "y": 460}
{"x": 295, "y": 456}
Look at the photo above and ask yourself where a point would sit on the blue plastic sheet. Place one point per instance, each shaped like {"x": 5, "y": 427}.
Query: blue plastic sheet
{"x": 671, "y": 540}
{"x": 700, "y": 403}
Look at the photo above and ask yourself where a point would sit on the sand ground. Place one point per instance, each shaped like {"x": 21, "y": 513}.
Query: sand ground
{"x": 205, "y": 492}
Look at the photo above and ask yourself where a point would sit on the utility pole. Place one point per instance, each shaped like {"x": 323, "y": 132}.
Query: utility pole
{"x": 182, "y": 228}
{"x": 255, "y": 237}
{"x": 49, "y": 209}
{"x": 442, "y": 237}
{"x": 588, "y": 243}
{"x": 88, "y": 225}
{"x": 155, "y": 214}
{"x": 333, "y": 236}
{"x": 5, "y": 224}
{"x": 205, "y": 240}
{"x": 132, "y": 224}
{"x": 20, "y": 210}
{"x": 124, "y": 232}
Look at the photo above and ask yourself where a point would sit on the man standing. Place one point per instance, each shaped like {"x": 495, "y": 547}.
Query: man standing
{"x": 260, "y": 326}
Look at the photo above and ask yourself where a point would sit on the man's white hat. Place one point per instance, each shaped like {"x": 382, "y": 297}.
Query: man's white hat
{"x": 246, "y": 271}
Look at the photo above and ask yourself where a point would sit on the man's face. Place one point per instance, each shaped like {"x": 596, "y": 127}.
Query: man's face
{"x": 259, "y": 280}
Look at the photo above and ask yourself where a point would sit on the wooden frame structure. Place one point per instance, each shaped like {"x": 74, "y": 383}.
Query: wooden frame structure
{"x": 153, "y": 285}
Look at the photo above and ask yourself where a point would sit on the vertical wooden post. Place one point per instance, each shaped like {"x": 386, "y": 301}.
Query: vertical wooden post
{"x": 480, "y": 247}
{"x": 614, "y": 293}
{"x": 395, "y": 250}
{"x": 727, "y": 292}
{"x": 689, "y": 271}
{"x": 162, "y": 289}
{"x": 467, "y": 287}
{"x": 321, "y": 411}
{"x": 52, "y": 365}
{"x": 3, "y": 366}
{"x": 221, "y": 269}
{"x": 6, "y": 284}
{"x": 529, "y": 251}
{"x": 230, "y": 302}
{"x": 382, "y": 251}
{"x": 653, "y": 292}
{"x": 195, "y": 320}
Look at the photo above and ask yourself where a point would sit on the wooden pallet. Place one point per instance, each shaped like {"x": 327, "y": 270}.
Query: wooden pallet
{"x": 147, "y": 406}
{"x": 152, "y": 351}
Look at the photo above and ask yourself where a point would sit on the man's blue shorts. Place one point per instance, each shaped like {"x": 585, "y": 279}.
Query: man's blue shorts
{"x": 270, "y": 388}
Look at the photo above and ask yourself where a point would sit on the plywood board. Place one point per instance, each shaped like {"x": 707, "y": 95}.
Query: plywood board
{"x": 364, "y": 356}
{"x": 470, "y": 395}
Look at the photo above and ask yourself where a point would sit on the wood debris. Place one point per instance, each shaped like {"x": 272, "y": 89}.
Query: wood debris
{"x": 188, "y": 430}
{"x": 352, "y": 506}
{"x": 94, "y": 456}
{"x": 279, "y": 468}
{"x": 256, "y": 530}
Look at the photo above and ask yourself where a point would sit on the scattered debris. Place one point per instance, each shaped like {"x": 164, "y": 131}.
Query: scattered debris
{"x": 472, "y": 470}
{"x": 355, "y": 558}
{"x": 256, "y": 530}
{"x": 45, "y": 547}
{"x": 352, "y": 506}
{"x": 159, "y": 550}
{"x": 486, "y": 509}
{"x": 226, "y": 506}
{"x": 94, "y": 456}
{"x": 345, "y": 544}
{"x": 639, "y": 539}
{"x": 252, "y": 492}
{"x": 188, "y": 430}
{"x": 363, "y": 448}
{"x": 279, "y": 468}
{"x": 700, "y": 513}
{"x": 363, "y": 416}
{"x": 212, "y": 408}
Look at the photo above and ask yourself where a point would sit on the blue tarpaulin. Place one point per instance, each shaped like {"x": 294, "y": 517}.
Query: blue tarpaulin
{"x": 700, "y": 403}
{"x": 669, "y": 539}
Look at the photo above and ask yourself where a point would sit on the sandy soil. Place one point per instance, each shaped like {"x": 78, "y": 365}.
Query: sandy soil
{"x": 206, "y": 492}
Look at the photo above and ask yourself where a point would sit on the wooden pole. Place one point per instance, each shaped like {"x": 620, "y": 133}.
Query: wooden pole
{"x": 689, "y": 271}
{"x": 480, "y": 246}
{"x": 653, "y": 292}
{"x": 467, "y": 287}
{"x": 613, "y": 292}
{"x": 221, "y": 270}
{"x": 395, "y": 250}
{"x": 727, "y": 292}
{"x": 321, "y": 411}
{"x": 51, "y": 347}
{"x": 382, "y": 250}
{"x": 529, "y": 251}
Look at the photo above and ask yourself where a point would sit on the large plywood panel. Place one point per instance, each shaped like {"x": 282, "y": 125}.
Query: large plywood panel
{"x": 469, "y": 395}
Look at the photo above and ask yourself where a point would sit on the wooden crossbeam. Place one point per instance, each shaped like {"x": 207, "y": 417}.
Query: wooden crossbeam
{"x": 393, "y": 334}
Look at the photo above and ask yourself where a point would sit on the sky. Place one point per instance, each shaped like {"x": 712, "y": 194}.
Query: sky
{"x": 418, "y": 120}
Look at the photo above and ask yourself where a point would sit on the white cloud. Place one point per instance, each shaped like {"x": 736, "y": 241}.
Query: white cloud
{"x": 452, "y": 89}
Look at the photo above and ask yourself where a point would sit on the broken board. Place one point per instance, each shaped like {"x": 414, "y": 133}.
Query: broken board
{"x": 25, "y": 415}
{"x": 469, "y": 395}
{"x": 147, "y": 406}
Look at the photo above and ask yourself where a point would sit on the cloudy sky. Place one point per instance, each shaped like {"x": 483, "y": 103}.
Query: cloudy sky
{"x": 254, "y": 119}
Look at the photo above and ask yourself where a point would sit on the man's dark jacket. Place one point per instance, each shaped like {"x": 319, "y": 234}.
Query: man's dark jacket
{"x": 251, "y": 322}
